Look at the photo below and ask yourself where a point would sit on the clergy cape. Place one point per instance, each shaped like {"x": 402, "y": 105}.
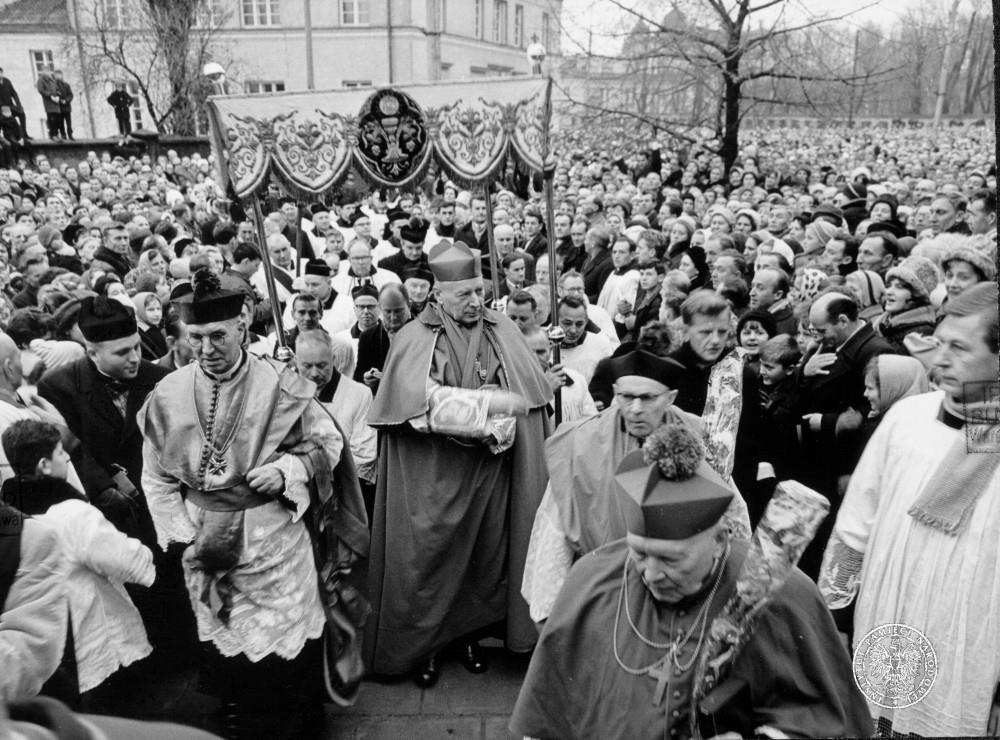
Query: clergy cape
{"x": 438, "y": 496}
{"x": 582, "y": 459}
{"x": 793, "y": 675}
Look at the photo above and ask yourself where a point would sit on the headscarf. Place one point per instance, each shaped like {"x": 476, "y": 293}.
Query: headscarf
{"x": 809, "y": 284}
{"x": 899, "y": 377}
{"x": 870, "y": 287}
{"x": 139, "y": 301}
{"x": 822, "y": 230}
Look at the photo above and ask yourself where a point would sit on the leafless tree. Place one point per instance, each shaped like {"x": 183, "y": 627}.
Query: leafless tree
{"x": 161, "y": 47}
{"x": 729, "y": 57}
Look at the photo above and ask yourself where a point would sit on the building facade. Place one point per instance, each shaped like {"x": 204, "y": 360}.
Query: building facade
{"x": 264, "y": 45}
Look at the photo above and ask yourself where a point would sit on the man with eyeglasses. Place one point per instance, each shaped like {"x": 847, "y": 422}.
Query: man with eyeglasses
{"x": 367, "y": 315}
{"x": 373, "y": 343}
{"x": 238, "y": 460}
{"x": 360, "y": 272}
{"x": 833, "y": 404}
{"x": 462, "y": 411}
{"x": 578, "y": 513}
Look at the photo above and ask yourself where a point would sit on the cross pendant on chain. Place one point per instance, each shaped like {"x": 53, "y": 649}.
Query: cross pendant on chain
{"x": 661, "y": 673}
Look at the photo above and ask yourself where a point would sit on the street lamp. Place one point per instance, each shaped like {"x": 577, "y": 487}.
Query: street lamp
{"x": 536, "y": 55}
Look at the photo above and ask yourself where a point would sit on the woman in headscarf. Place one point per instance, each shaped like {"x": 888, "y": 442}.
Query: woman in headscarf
{"x": 867, "y": 288}
{"x": 808, "y": 283}
{"x": 148, "y": 317}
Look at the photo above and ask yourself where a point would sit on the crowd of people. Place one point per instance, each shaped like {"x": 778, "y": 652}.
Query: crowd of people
{"x": 444, "y": 459}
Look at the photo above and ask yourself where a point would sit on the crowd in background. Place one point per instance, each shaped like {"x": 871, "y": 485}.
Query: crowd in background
{"x": 811, "y": 241}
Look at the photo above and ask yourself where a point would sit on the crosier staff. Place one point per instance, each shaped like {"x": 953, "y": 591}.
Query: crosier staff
{"x": 281, "y": 350}
{"x": 555, "y": 332}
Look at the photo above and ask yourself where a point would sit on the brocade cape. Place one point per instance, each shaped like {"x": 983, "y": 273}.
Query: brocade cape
{"x": 794, "y": 675}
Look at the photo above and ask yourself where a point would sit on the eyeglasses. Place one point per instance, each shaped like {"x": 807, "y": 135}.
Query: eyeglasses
{"x": 217, "y": 339}
{"x": 627, "y": 399}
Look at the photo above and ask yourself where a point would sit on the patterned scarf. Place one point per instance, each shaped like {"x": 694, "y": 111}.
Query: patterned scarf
{"x": 947, "y": 501}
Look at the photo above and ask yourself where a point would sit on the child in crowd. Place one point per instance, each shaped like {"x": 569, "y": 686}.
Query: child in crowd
{"x": 888, "y": 379}
{"x": 753, "y": 329}
{"x": 779, "y": 356}
{"x": 148, "y": 317}
{"x": 108, "y": 633}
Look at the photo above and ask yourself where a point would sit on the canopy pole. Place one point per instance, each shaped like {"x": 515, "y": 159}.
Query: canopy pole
{"x": 281, "y": 350}
{"x": 491, "y": 245}
{"x": 555, "y": 333}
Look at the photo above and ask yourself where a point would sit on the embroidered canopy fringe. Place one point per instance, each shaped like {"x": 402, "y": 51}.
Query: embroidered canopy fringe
{"x": 311, "y": 141}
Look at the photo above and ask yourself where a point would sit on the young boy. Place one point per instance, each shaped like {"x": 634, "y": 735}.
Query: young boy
{"x": 107, "y": 630}
{"x": 779, "y": 441}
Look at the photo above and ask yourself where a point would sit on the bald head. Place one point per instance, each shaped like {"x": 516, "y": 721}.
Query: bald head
{"x": 503, "y": 237}
{"x": 834, "y": 317}
{"x": 10, "y": 364}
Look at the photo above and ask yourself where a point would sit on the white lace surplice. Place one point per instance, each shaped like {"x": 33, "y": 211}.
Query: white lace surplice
{"x": 945, "y": 586}
{"x": 277, "y": 607}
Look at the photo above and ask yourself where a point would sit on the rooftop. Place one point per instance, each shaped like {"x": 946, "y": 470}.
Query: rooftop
{"x": 34, "y": 16}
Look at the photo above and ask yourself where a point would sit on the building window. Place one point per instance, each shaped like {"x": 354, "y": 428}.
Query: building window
{"x": 209, "y": 14}
{"x": 478, "y": 19}
{"x": 41, "y": 61}
{"x": 519, "y": 26}
{"x": 115, "y": 14}
{"x": 443, "y": 16}
{"x": 260, "y": 13}
{"x": 354, "y": 12}
{"x": 546, "y": 32}
{"x": 357, "y": 83}
{"x": 262, "y": 86}
{"x": 500, "y": 21}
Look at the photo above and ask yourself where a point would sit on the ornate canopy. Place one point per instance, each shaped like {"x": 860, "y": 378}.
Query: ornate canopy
{"x": 310, "y": 141}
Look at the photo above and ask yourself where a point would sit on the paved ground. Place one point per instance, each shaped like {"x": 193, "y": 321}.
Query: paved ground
{"x": 461, "y": 706}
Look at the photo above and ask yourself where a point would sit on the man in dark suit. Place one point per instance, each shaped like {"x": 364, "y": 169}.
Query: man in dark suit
{"x": 831, "y": 387}
{"x": 99, "y": 396}
{"x": 598, "y": 265}
{"x": 10, "y": 98}
{"x": 474, "y": 234}
{"x": 536, "y": 244}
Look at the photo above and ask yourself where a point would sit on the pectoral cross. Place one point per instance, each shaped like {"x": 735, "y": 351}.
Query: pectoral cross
{"x": 662, "y": 675}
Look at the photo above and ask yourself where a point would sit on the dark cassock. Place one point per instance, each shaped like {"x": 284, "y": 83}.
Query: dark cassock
{"x": 628, "y": 648}
{"x": 457, "y": 487}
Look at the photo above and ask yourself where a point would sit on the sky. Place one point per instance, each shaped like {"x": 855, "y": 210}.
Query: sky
{"x": 597, "y": 22}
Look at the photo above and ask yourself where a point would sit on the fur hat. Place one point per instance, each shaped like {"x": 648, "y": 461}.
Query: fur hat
{"x": 980, "y": 262}
{"x": 919, "y": 274}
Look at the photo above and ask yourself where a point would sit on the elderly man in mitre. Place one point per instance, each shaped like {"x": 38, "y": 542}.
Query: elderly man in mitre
{"x": 650, "y": 636}
{"x": 462, "y": 410}
{"x": 241, "y": 462}
{"x": 579, "y": 513}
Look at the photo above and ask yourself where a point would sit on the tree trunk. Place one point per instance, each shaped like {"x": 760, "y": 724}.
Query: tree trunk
{"x": 731, "y": 106}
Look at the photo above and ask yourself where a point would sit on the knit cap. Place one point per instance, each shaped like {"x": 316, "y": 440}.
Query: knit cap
{"x": 980, "y": 262}
{"x": 919, "y": 274}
